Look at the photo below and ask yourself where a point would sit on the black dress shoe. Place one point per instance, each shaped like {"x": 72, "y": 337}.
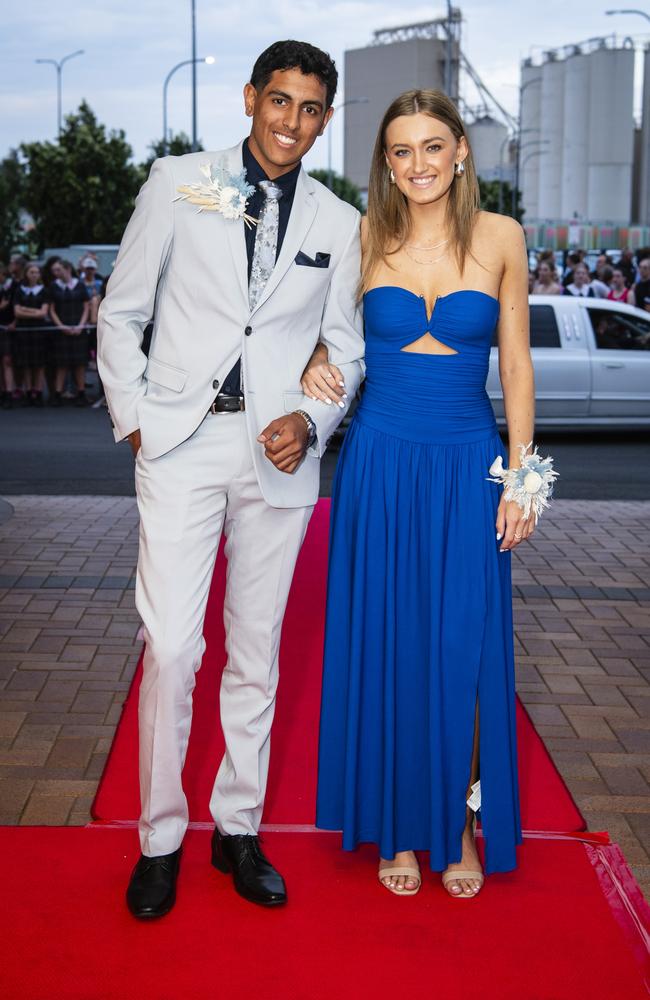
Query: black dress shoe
{"x": 152, "y": 889}
{"x": 254, "y": 876}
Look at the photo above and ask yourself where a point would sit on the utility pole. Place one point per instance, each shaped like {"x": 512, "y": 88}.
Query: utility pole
{"x": 194, "y": 61}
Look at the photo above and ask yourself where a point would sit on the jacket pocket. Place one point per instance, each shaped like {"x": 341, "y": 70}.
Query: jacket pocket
{"x": 166, "y": 375}
{"x": 293, "y": 401}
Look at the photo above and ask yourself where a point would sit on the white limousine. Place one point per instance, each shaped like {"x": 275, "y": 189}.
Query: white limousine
{"x": 591, "y": 360}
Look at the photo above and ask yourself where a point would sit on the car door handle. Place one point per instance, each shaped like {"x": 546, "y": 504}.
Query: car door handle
{"x": 614, "y": 364}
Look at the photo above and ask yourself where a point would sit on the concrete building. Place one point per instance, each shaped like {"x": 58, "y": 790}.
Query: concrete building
{"x": 584, "y": 126}
{"x": 490, "y": 148}
{"x": 415, "y": 56}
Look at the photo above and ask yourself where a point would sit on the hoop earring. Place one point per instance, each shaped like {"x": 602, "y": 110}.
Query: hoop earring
{"x": 459, "y": 169}
{"x": 391, "y": 175}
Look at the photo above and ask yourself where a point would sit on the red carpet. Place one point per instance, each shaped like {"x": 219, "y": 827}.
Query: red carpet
{"x": 545, "y": 932}
{"x": 546, "y": 803}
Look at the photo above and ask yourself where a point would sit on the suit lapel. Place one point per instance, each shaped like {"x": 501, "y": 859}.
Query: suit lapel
{"x": 235, "y": 230}
{"x": 302, "y": 215}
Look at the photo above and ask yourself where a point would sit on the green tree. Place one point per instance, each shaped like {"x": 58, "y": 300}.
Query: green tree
{"x": 490, "y": 198}
{"x": 341, "y": 186}
{"x": 12, "y": 192}
{"x": 81, "y": 188}
{"x": 177, "y": 145}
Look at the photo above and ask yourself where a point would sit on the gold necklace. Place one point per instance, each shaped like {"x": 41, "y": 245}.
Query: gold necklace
{"x": 430, "y": 246}
{"x": 417, "y": 260}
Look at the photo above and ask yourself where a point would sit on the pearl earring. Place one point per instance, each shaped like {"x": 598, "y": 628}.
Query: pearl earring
{"x": 459, "y": 169}
{"x": 392, "y": 176}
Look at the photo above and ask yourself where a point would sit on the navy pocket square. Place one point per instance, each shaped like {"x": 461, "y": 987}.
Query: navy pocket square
{"x": 322, "y": 259}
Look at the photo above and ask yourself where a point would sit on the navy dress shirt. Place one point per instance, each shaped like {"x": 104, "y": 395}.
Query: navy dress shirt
{"x": 287, "y": 184}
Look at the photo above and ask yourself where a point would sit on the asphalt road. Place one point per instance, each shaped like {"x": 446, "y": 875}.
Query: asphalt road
{"x": 71, "y": 451}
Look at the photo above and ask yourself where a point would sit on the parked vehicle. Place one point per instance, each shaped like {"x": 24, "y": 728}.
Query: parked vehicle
{"x": 592, "y": 363}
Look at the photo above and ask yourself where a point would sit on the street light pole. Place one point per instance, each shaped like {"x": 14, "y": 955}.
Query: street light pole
{"x": 186, "y": 62}
{"x": 641, "y": 13}
{"x": 59, "y": 67}
{"x": 194, "y": 141}
{"x": 330, "y": 173}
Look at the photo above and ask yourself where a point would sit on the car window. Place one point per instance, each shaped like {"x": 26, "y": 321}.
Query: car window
{"x": 617, "y": 331}
{"x": 543, "y": 328}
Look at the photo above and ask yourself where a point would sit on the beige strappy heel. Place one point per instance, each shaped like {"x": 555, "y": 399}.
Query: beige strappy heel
{"x": 413, "y": 873}
{"x": 458, "y": 875}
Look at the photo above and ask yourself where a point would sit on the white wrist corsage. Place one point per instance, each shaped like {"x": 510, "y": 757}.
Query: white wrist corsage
{"x": 531, "y": 485}
{"x": 224, "y": 192}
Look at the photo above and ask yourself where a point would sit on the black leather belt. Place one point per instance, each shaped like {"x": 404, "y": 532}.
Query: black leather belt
{"x": 228, "y": 404}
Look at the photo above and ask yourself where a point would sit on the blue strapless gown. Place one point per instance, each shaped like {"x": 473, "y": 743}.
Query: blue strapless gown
{"x": 419, "y": 607}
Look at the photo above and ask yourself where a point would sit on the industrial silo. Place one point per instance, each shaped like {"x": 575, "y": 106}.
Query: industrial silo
{"x": 551, "y": 160}
{"x": 644, "y": 186}
{"x": 531, "y": 92}
{"x": 576, "y": 136}
{"x": 489, "y": 141}
{"x": 611, "y": 134}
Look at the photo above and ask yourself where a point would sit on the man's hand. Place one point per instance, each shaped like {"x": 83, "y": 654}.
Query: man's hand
{"x": 134, "y": 441}
{"x": 285, "y": 442}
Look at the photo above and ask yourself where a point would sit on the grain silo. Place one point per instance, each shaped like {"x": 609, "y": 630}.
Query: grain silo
{"x": 611, "y": 134}
{"x": 644, "y": 186}
{"x": 576, "y": 136}
{"x": 552, "y": 137}
{"x": 531, "y": 94}
{"x": 489, "y": 140}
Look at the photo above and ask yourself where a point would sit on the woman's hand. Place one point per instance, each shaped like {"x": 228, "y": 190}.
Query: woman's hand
{"x": 511, "y": 527}
{"x": 322, "y": 380}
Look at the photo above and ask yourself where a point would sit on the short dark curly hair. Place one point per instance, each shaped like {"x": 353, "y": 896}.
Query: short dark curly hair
{"x": 290, "y": 54}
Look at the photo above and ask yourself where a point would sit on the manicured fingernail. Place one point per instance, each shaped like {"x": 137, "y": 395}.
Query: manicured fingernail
{"x": 345, "y": 395}
{"x": 342, "y": 405}
{"x": 342, "y": 384}
{"x": 499, "y": 536}
{"x": 329, "y": 402}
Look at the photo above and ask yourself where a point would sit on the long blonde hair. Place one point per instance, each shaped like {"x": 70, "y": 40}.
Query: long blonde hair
{"x": 388, "y": 215}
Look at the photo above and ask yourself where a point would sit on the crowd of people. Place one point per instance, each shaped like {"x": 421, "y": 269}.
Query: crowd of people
{"x": 627, "y": 280}
{"x": 48, "y": 323}
{"x": 48, "y": 315}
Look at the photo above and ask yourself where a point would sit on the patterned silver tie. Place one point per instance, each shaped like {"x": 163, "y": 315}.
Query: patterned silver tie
{"x": 266, "y": 242}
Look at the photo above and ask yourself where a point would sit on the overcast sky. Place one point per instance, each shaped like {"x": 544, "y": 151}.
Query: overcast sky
{"x": 130, "y": 45}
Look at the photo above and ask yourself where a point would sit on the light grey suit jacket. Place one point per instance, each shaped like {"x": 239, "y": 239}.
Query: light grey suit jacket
{"x": 188, "y": 271}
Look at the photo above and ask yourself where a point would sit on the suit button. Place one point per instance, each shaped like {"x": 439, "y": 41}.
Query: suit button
{"x": 215, "y": 384}
{"x": 248, "y": 331}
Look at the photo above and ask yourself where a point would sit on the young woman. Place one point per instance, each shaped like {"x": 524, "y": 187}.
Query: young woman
{"x": 30, "y": 340}
{"x": 418, "y": 689}
{"x": 546, "y": 282}
{"x": 619, "y": 292}
{"x": 69, "y": 309}
{"x": 580, "y": 286}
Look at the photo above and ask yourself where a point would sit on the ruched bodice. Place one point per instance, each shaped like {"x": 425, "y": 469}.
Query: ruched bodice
{"x": 428, "y": 397}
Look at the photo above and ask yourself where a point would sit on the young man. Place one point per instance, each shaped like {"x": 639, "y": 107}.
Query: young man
{"x": 224, "y": 438}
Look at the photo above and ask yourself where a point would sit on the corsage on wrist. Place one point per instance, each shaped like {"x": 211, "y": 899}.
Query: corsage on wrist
{"x": 531, "y": 485}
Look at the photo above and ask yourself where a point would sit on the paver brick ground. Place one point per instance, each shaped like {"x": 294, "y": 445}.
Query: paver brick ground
{"x": 69, "y": 647}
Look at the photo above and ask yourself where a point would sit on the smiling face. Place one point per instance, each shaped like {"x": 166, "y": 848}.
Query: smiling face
{"x": 423, "y": 152}
{"x": 288, "y": 116}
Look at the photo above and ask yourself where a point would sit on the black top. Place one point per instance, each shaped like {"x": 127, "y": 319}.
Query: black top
{"x": 642, "y": 294}
{"x": 32, "y": 300}
{"x": 287, "y": 184}
{"x": 68, "y": 302}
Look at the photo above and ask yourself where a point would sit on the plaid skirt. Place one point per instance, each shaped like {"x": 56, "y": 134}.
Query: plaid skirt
{"x": 29, "y": 348}
{"x": 68, "y": 351}
{"x": 5, "y": 342}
